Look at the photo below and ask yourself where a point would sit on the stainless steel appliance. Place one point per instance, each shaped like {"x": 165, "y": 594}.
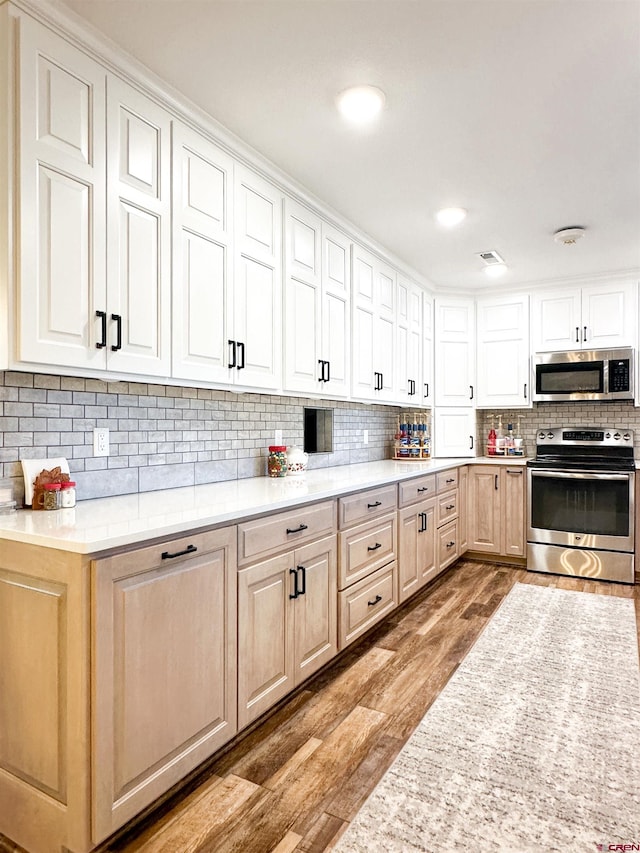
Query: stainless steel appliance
{"x": 584, "y": 375}
{"x": 581, "y": 503}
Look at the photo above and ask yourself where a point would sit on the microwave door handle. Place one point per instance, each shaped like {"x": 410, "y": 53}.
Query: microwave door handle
{"x": 578, "y": 475}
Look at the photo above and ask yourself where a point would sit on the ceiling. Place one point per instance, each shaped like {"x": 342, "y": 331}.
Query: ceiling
{"x": 524, "y": 112}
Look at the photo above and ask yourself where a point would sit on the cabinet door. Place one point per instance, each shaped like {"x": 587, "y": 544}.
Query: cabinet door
{"x": 454, "y": 352}
{"x": 257, "y": 322}
{"x": 485, "y": 505}
{"x": 202, "y": 273}
{"x": 336, "y": 313}
{"x": 454, "y": 432}
{"x": 416, "y": 547}
{"x": 316, "y": 610}
{"x": 164, "y": 694}
{"x": 302, "y": 299}
{"x": 138, "y": 232}
{"x": 266, "y": 668}
{"x": 409, "y": 343}
{"x": 513, "y": 506}
{"x": 556, "y": 319}
{"x": 503, "y": 352}
{"x": 427, "y": 350}
{"x": 609, "y": 315}
{"x": 62, "y": 179}
{"x": 364, "y": 312}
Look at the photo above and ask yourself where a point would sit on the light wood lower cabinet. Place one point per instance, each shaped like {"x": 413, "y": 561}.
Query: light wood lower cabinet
{"x": 417, "y": 562}
{"x": 287, "y": 611}
{"x": 448, "y": 547}
{"x": 164, "y": 658}
{"x": 367, "y": 602}
{"x": 497, "y": 510}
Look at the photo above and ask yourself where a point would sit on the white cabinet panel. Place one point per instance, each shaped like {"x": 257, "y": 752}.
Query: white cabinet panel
{"x": 202, "y": 270}
{"x": 454, "y": 352}
{"x": 454, "y": 432}
{"x": 61, "y": 185}
{"x": 427, "y": 350}
{"x": 503, "y": 351}
{"x": 336, "y": 309}
{"x": 556, "y": 321}
{"x": 138, "y": 232}
{"x": 362, "y": 358}
{"x": 409, "y": 343}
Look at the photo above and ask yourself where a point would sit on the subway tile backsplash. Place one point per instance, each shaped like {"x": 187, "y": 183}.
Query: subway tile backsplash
{"x": 165, "y": 436}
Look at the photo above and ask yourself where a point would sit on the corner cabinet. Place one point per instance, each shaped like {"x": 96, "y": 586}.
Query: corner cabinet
{"x": 409, "y": 343}
{"x": 164, "y": 659}
{"x": 503, "y": 352}
{"x": 592, "y": 317}
{"x": 455, "y": 352}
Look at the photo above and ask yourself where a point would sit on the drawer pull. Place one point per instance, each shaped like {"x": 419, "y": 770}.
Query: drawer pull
{"x": 190, "y": 549}
{"x": 423, "y": 489}
{"x": 374, "y": 547}
{"x": 450, "y": 506}
{"x": 374, "y": 505}
{"x": 375, "y": 601}
{"x": 450, "y": 544}
{"x": 511, "y": 471}
{"x": 298, "y": 529}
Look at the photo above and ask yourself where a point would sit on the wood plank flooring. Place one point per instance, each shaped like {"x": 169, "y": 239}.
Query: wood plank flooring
{"x": 295, "y": 782}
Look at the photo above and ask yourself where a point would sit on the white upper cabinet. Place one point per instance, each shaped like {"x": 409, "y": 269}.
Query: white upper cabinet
{"x": 138, "y": 232}
{"x": 62, "y": 263}
{"x": 317, "y": 285}
{"x": 454, "y": 352}
{"x": 592, "y": 317}
{"x": 409, "y": 343}
{"x": 427, "y": 350}
{"x": 454, "y": 432}
{"x": 255, "y": 341}
{"x": 202, "y": 263}
{"x": 374, "y": 320}
{"x": 503, "y": 351}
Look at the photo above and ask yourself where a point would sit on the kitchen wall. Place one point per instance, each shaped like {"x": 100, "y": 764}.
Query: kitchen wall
{"x": 623, "y": 415}
{"x": 163, "y": 436}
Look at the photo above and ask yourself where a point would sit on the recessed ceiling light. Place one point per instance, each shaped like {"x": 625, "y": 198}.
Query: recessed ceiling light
{"x": 495, "y": 270}
{"x": 451, "y": 216}
{"x": 361, "y": 104}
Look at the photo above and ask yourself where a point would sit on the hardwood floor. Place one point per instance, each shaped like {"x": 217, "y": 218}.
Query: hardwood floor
{"x": 297, "y": 779}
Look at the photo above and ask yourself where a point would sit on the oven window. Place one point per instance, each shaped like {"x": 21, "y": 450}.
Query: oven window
{"x": 596, "y": 507}
{"x": 570, "y": 379}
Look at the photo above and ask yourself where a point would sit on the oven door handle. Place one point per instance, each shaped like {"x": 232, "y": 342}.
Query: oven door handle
{"x": 579, "y": 475}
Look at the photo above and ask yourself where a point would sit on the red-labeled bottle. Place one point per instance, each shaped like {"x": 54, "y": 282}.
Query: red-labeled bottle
{"x": 491, "y": 443}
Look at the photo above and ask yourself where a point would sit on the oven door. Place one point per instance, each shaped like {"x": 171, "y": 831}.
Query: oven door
{"x": 582, "y": 509}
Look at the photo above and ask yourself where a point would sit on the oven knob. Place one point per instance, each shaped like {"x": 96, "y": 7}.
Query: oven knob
{"x": 626, "y": 436}
{"x": 541, "y": 435}
{"x": 549, "y": 435}
{"x": 616, "y": 435}
{"x": 607, "y": 435}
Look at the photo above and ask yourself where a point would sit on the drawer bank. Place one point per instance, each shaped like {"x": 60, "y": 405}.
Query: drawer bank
{"x": 140, "y": 634}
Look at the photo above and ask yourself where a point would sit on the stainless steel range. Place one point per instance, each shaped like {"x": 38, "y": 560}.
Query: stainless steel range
{"x": 581, "y": 503}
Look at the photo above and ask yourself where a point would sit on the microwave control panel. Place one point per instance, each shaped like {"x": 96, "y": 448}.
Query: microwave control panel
{"x": 619, "y": 374}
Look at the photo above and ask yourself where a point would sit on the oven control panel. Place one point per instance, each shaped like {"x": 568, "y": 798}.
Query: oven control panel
{"x": 589, "y": 436}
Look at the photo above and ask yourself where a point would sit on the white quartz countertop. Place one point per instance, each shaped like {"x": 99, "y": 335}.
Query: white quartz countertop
{"x": 102, "y": 524}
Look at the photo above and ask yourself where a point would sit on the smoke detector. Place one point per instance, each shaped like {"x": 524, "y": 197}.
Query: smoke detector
{"x": 569, "y": 236}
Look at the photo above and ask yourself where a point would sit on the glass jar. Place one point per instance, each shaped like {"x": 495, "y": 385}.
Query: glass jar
{"x": 277, "y": 461}
{"x": 51, "y": 496}
{"x": 68, "y": 494}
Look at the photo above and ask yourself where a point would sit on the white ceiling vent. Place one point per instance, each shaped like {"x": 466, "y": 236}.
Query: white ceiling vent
{"x": 490, "y": 258}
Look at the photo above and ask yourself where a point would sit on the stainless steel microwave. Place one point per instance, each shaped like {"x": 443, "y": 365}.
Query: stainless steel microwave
{"x": 584, "y": 375}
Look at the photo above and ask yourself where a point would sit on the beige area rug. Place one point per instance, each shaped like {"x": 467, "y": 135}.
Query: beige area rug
{"x": 533, "y": 745}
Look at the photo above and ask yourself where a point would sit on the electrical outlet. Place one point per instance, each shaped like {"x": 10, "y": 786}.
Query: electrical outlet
{"x": 278, "y": 437}
{"x": 365, "y": 437}
{"x": 101, "y": 441}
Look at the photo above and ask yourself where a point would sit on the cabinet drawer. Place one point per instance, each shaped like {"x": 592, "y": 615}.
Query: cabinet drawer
{"x": 271, "y": 534}
{"x": 412, "y": 491}
{"x": 446, "y": 480}
{"x": 365, "y": 548}
{"x": 447, "y": 507}
{"x": 170, "y": 553}
{"x": 366, "y": 602}
{"x": 365, "y": 505}
{"x": 447, "y": 544}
